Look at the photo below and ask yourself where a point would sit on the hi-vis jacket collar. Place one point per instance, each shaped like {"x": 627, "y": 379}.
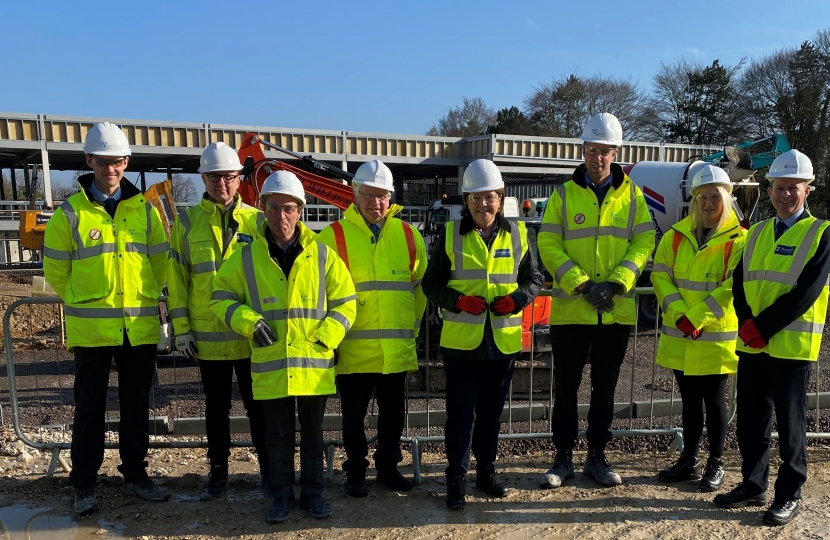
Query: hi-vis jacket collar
{"x": 127, "y": 188}
{"x": 580, "y": 179}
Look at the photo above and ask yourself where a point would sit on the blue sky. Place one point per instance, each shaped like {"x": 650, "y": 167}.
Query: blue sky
{"x": 390, "y": 67}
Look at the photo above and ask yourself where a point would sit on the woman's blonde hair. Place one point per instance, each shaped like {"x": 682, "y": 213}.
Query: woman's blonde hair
{"x": 697, "y": 219}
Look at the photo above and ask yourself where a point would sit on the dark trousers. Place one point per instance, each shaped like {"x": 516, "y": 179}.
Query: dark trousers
{"x": 766, "y": 384}
{"x": 92, "y": 372}
{"x": 571, "y": 344}
{"x": 279, "y": 437}
{"x": 355, "y": 393}
{"x": 475, "y": 400}
{"x": 695, "y": 391}
{"x": 217, "y": 379}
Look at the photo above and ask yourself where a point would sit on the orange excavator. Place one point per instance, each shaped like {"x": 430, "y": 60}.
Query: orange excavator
{"x": 257, "y": 167}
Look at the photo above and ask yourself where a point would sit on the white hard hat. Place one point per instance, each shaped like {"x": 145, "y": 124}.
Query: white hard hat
{"x": 106, "y": 139}
{"x": 792, "y": 164}
{"x": 375, "y": 174}
{"x": 219, "y": 157}
{"x": 283, "y": 182}
{"x": 482, "y": 175}
{"x": 603, "y": 128}
{"x": 710, "y": 174}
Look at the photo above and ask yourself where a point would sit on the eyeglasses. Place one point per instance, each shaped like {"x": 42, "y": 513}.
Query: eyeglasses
{"x": 591, "y": 151}
{"x": 370, "y": 197}
{"x": 284, "y": 208}
{"x": 228, "y": 178}
{"x": 120, "y": 162}
{"x": 489, "y": 199}
{"x": 705, "y": 199}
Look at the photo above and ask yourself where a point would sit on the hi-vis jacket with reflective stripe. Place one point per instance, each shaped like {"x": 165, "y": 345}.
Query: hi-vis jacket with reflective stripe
{"x": 390, "y": 303}
{"x": 199, "y": 243}
{"x": 310, "y": 310}
{"x": 490, "y": 273}
{"x": 770, "y": 269}
{"x": 697, "y": 282}
{"x": 579, "y": 242}
{"x": 108, "y": 272}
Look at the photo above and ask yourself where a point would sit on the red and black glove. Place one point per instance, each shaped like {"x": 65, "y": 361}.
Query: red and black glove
{"x": 751, "y": 336}
{"x": 471, "y": 304}
{"x": 503, "y": 305}
{"x": 686, "y": 326}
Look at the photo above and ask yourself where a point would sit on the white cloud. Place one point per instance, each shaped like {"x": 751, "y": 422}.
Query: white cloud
{"x": 694, "y": 51}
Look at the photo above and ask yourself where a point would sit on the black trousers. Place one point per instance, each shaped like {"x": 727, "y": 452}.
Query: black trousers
{"x": 355, "y": 393}
{"x": 766, "y": 384}
{"x": 475, "y": 400}
{"x": 92, "y": 372}
{"x": 695, "y": 391}
{"x": 279, "y": 437}
{"x": 571, "y": 344}
{"x": 217, "y": 380}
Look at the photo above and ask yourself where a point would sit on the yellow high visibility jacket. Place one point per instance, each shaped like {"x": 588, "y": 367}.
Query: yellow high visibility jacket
{"x": 390, "y": 303}
{"x": 771, "y": 268}
{"x": 578, "y": 242}
{"x": 197, "y": 251}
{"x": 477, "y": 271}
{"x": 310, "y": 310}
{"x": 697, "y": 282}
{"x": 109, "y": 272}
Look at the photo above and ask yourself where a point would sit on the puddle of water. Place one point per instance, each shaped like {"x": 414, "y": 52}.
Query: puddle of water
{"x": 18, "y": 522}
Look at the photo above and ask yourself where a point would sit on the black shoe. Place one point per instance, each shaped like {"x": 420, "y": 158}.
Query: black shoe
{"x": 740, "y": 496}
{"x": 782, "y": 511}
{"x": 456, "y": 492}
{"x": 597, "y": 467}
{"x": 713, "y": 475}
{"x": 281, "y": 509}
{"x": 394, "y": 480}
{"x": 687, "y": 467}
{"x": 486, "y": 481}
{"x": 147, "y": 490}
{"x": 561, "y": 470}
{"x": 356, "y": 484}
{"x": 316, "y": 506}
{"x": 85, "y": 501}
{"x": 217, "y": 484}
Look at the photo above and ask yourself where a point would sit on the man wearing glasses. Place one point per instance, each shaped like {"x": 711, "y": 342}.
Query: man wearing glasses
{"x": 105, "y": 253}
{"x": 596, "y": 237}
{"x": 387, "y": 259}
{"x": 203, "y": 237}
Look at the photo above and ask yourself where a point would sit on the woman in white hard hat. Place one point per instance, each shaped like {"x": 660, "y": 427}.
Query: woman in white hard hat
{"x": 483, "y": 275}
{"x": 692, "y": 278}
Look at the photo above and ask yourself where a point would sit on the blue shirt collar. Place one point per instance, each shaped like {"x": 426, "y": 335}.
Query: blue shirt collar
{"x": 603, "y": 184}
{"x": 790, "y": 221}
{"x": 100, "y": 197}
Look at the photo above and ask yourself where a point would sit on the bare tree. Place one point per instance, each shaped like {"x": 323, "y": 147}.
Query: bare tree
{"x": 471, "y": 118}
{"x": 184, "y": 189}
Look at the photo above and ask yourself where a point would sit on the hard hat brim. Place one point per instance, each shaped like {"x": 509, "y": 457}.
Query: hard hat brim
{"x": 805, "y": 177}
{"x": 220, "y": 169}
{"x": 110, "y": 153}
{"x": 483, "y": 189}
{"x": 615, "y": 144}
{"x": 390, "y": 189}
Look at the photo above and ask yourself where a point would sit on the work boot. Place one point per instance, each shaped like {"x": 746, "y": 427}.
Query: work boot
{"x": 687, "y": 467}
{"x": 597, "y": 467}
{"x": 85, "y": 502}
{"x": 356, "y": 484}
{"x": 486, "y": 481}
{"x": 713, "y": 475}
{"x": 146, "y": 490}
{"x": 740, "y": 496}
{"x": 316, "y": 506}
{"x": 217, "y": 484}
{"x": 781, "y": 512}
{"x": 456, "y": 492}
{"x": 394, "y": 480}
{"x": 561, "y": 470}
{"x": 281, "y": 509}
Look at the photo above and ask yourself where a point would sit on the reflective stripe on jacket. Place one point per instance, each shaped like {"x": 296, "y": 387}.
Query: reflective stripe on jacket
{"x": 197, "y": 251}
{"x": 310, "y": 311}
{"x": 387, "y": 275}
{"x": 771, "y": 268}
{"x": 108, "y": 271}
{"x": 697, "y": 282}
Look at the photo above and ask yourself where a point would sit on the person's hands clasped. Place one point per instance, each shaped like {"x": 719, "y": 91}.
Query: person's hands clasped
{"x": 503, "y": 305}
{"x": 600, "y": 295}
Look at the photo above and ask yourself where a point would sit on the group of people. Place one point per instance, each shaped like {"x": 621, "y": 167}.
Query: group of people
{"x": 299, "y": 316}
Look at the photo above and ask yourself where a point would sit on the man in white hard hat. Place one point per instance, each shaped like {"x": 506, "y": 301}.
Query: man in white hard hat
{"x": 596, "y": 236}
{"x": 292, "y": 297}
{"x": 780, "y": 290}
{"x": 105, "y": 254}
{"x": 387, "y": 259}
{"x": 202, "y": 238}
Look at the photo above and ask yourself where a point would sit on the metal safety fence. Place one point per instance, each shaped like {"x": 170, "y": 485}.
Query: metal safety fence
{"x": 39, "y": 384}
